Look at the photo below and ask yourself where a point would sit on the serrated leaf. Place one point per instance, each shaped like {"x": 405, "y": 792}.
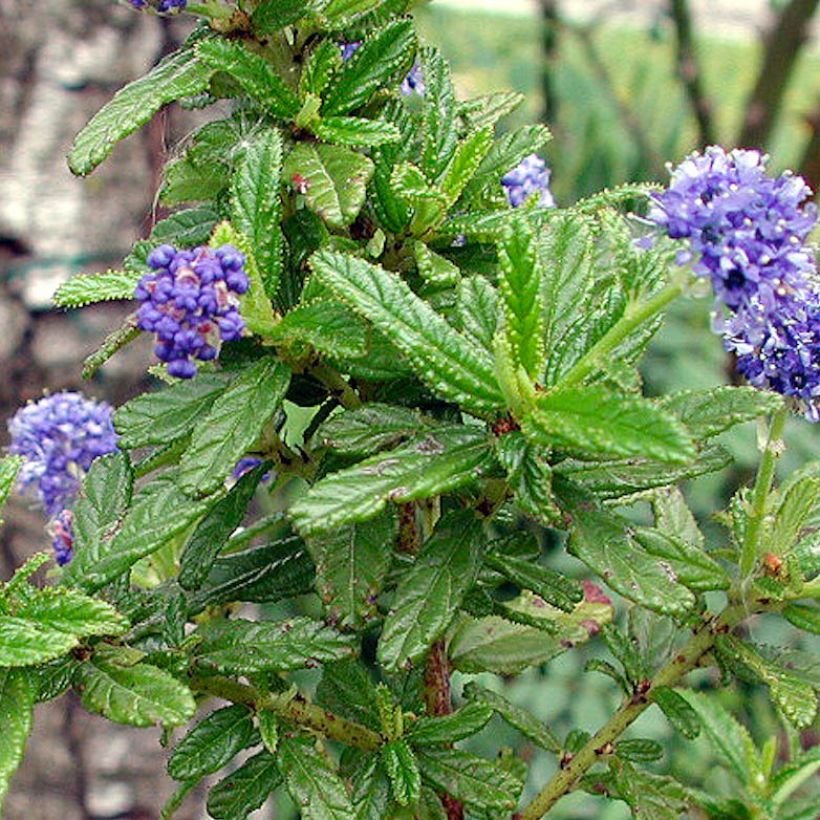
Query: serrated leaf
{"x": 320, "y": 66}
{"x": 803, "y": 616}
{"x": 351, "y": 566}
{"x": 256, "y": 76}
{"x": 434, "y": 268}
{"x": 431, "y": 591}
{"x": 17, "y": 694}
{"x": 520, "y": 286}
{"x": 86, "y": 289}
{"x": 488, "y": 109}
{"x": 606, "y": 543}
{"x": 518, "y": 718}
{"x": 269, "y": 730}
{"x": 384, "y": 56}
{"x": 355, "y": 132}
{"x": 115, "y": 341}
{"x": 529, "y": 475}
{"x": 468, "y": 778}
{"x": 213, "y": 532}
{"x": 673, "y": 516}
{"x": 269, "y": 17}
{"x": 370, "y": 428}
{"x": 639, "y": 750}
{"x": 332, "y": 178}
{"x": 181, "y": 74}
{"x": 9, "y": 467}
{"x": 240, "y": 646}
{"x": 403, "y": 771}
{"x": 327, "y": 326}
{"x": 464, "y": 163}
{"x": 596, "y": 421}
{"x": 244, "y": 791}
{"x": 553, "y": 587}
{"x": 212, "y": 743}
{"x": 444, "y": 359}
{"x": 707, "y": 413}
{"x": 440, "y": 126}
{"x": 793, "y": 775}
{"x": 677, "y": 710}
{"x": 730, "y": 740}
{"x": 347, "y": 689}
{"x": 477, "y": 310}
{"x": 315, "y": 788}
{"x": 231, "y": 426}
{"x": 342, "y": 13}
{"x": 692, "y": 565}
{"x": 134, "y": 694}
{"x": 167, "y": 414}
{"x": 371, "y": 789}
{"x": 648, "y": 795}
{"x": 434, "y": 731}
{"x": 256, "y": 207}
{"x": 186, "y": 228}
{"x": 440, "y": 462}
{"x": 794, "y": 515}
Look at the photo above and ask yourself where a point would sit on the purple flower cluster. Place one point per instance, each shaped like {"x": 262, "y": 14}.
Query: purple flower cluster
{"x": 162, "y": 6}
{"x": 59, "y": 436}
{"x": 190, "y": 302}
{"x": 747, "y": 233}
{"x": 530, "y": 176}
{"x": 62, "y": 537}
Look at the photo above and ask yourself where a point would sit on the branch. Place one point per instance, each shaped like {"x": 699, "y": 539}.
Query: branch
{"x": 687, "y": 659}
{"x": 689, "y": 70}
{"x": 338, "y": 387}
{"x": 550, "y": 57}
{"x": 783, "y": 45}
{"x": 294, "y": 709}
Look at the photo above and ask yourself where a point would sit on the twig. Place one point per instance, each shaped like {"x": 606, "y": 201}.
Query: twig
{"x": 689, "y": 70}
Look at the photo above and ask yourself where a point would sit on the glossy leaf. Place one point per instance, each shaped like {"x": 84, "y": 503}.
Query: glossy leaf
{"x": 356, "y": 132}
{"x": 441, "y": 126}
{"x": 269, "y": 17}
{"x": 9, "y": 467}
{"x": 370, "y": 428}
{"x": 245, "y": 790}
{"x": 553, "y": 587}
{"x": 85, "y": 289}
{"x": 464, "y": 722}
{"x": 327, "y": 326}
{"x": 17, "y": 695}
{"x": 677, "y": 710}
{"x": 403, "y": 771}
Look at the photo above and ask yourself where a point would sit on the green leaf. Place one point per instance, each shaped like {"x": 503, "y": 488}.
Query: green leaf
{"x": 677, "y": 710}
{"x": 518, "y": 718}
{"x": 556, "y": 589}
{"x": 520, "y": 286}
{"x": 240, "y": 646}
{"x": 212, "y": 743}
{"x": 315, "y": 788}
{"x": 434, "y": 731}
{"x": 213, "y": 532}
{"x": 371, "y": 789}
{"x": 442, "y": 461}
{"x": 477, "y": 310}
{"x": 370, "y": 428}
{"x": 803, "y": 616}
{"x": 431, "y": 591}
{"x": 351, "y": 566}
{"x": 269, "y": 730}
{"x": 468, "y": 778}
{"x": 256, "y": 207}
{"x": 244, "y": 791}
{"x": 133, "y": 694}
{"x": 384, "y": 56}
{"x": 692, "y": 565}
{"x": 85, "y": 289}
{"x": 17, "y": 694}
{"x": 325, "y": 325}
{"x": 347, "y": 689}
{"x": 181, "y": 74}
{"x": 341, "y": 13}
{"x": 444, "y": 359}
{"x": 440, "y": 124}
{"x": 597, "y": 421}
{"x": 186, "y": 228}
{"x": 707, "y": 413}
{"x": 356, "y": 132}
{"x": 463, "y": 164}
{"x": 488, "y": 109}
{"x": 231, "y": 426}
{"x": 403, "y": 771}
{"x": 795, "y": 697}
{"x": 529, "y": 475}
{"x": 9, "y": 467}
{"x": 320, "y": 66}
{"x": 256, "y": 76}
{"x": 639, "y": 750}
{"x": 434, "y": 268}
{"x": 729, "y": 739}
{"x": 673, "y": 516}
{"x": 793, "y": 775}
{"x": 795, "y": 513}
{"x": 606, "y": 543}
{"x": 167, "y": 414}
{"x": 273, "y": 15}
{"x": 495, "y": 644}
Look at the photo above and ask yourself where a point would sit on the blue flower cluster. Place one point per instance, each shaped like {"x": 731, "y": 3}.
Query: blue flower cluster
{"x": 530, "y": 176}
{"x": 747, "y": 233}
{"x": 62, "y": 537}
{"x": 413, "y": 83}
{"x": 190, "y": 302}
{"x": 162, "y": 6}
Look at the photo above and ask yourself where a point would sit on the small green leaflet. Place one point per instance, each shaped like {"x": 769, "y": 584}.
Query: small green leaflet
{"x": 439, "y": 462}
{"x": 520, "y": 286}
{"x": 326, "y": 325}
{"x": 332, "y": 178}
{"x": 169, "y": 413}
{"x": 268, "y": 18}
{"x": 355, "y": 131}
{"x": 430, "y": 593}
{"x": 434, "y": 268}
{"x": 463, "y": 164}
{"x": 464, "y": 722}
{"x": 320, "y": 65}
{"x": 9, "y": 467}
{"x": 448, "y": 362}
{"x": 181, "y": 74}
{"x": 677, "y": 710}
{"x": 245, "y": 646}
{"x": 186, "y": 228}
{"x": 488, "y": 109}
{"x": 232, "y": 425}
{"x": 341, "y": 13}
{"x": 134, "y": 694}
{"x": 596, "y": 421}
{"x": 476, "y": 311}
{"x": 245, "y": 790}
{"x": 347, "y": 689}
{"x": 529, "y": 475}
{"x": 351, "y": 566}
{"x": 253, "y": 73}
{"x": 212, "y": 743}
{"x": 18, "y": 689}
{"x": 256, "y": 205}
{"x": 315, "y": 788}
{"x": 553, "y": 587}
{"x": 386, "y": 54}
{"x": 403, "y": 771}
{"x": 440, "y": 123}
{"x": 693, "y": 566}
{"x": 85, "y": 289}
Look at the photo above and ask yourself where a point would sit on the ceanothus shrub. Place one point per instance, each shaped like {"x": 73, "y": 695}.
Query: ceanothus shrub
{"x": 401, "y": 401}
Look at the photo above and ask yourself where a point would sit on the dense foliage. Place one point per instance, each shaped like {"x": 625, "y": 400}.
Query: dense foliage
{"x": 397, "y": 382}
